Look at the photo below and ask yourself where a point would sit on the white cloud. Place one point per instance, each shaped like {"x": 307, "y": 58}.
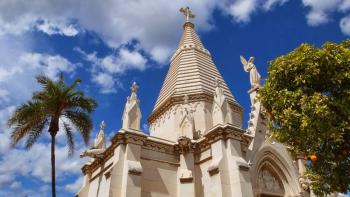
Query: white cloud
{"x": 15, "y": 185}
{"x": 241, "y": 10}
{"x": 345, "y": 25}
{"x": 344, "y": 6}
{"x": 59, "y": 28}
{"x": 120, "y": 22}
{"x": 116, "y": 22}
{"x": 108, "y": 69}
{"x": 105, "y": 81}
{"x": 321, "y": 11}
{"x": 270, "y": 4}
{"x": 75, "y": 186}
{"x": 19, "y": 78}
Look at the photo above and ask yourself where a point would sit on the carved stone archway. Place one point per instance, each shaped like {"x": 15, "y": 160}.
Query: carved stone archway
{"x": 276, "y": 169}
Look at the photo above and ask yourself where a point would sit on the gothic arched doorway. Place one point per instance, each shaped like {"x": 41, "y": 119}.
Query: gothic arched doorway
{"x": 273, "y": 174}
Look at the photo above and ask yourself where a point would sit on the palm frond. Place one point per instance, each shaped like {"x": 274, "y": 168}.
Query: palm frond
{"x": 70, "y": 139}
{"x": 35, "y": 133}
{"x": 51, "y": 90}
{"x": 28, "y": 117}
{"x": 73, "y": 86}
{"x": 82, "y": 102}
{"x": 82, "y": 121}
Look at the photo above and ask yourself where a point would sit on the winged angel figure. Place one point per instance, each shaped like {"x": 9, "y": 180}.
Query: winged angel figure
{"x": 250, "y": 67}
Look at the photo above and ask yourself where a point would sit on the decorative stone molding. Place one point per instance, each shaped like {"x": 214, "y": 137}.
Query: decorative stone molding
{"x": 159, "y": 147}
{"x": 186, "y": 176}
{"x": 224, "y": 132}
{"x": 242, "y": 165}
{"x": 189, "y": 47}
{"x": 103, "y": 170}
{"x": 185, "y": 145}
{"x": 208, "y": 97}
{"x": 304, "y": 183}
{"x": 134, "y": 168}
{"x": 108, "y": 174}
{"x": 214, "y": 167}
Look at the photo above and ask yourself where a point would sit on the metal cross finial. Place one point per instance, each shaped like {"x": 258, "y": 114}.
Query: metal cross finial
{"x": 102, "y": 125}
{"x": 134, "y": 87}
{"x": 188, "y": 13}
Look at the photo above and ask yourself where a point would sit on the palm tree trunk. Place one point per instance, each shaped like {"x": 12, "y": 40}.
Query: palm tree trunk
{"x": 53, "y": 171}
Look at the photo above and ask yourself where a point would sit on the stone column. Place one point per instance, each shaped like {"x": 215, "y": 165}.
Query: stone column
{"x": 218, "y": 172}
{"x": 185, "y": 174}
{"x": 229, "y": 172}
{"x": 240, "y": 179}
{"x": 132, "y": 170}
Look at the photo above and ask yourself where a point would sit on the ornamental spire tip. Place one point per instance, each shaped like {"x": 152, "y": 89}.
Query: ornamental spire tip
{"x": 187, "y": 12}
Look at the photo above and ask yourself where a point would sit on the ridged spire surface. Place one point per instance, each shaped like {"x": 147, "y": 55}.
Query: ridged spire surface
{"x": 191, "y": 70}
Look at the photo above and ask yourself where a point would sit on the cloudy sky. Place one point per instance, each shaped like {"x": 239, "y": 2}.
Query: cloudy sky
{"x": 109, "y": 44}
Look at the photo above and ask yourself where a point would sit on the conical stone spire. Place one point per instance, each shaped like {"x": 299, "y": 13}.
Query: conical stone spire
{"x": 192, "y": 72}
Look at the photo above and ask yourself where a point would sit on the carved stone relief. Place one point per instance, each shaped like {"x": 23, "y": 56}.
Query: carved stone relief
{"x": 269, "y": 183}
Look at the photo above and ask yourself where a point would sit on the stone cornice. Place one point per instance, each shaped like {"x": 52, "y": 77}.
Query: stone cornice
{"x": 221, "y": 132}
{"x": 127, "y": 137}
{"x": 191, "y": 98}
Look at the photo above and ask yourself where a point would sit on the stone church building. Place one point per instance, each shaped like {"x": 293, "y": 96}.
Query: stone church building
{"x": 197, "y": 146}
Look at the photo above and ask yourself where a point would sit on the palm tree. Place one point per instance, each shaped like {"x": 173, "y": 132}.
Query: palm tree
{"x": 55, "y": 105}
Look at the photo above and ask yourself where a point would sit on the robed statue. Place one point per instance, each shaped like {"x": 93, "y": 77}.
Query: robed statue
{"x": 251, "y": 68}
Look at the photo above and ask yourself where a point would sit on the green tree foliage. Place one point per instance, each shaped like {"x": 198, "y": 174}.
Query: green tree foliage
{"x": 307, "y": 95}
{"x": 55, "y": 105}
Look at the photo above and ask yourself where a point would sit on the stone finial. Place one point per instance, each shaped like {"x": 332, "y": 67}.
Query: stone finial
{"x": 132, "y": 113}
{"x": 187, "y": 12}
{"x": 221, "y": 111}
{"x": 134, "y": 87}
{"x": 99, "y": 145}
{"x": 102, "y": 125}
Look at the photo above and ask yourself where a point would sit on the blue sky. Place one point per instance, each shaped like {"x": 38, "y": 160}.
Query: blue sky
{"x": 112, "y": 43}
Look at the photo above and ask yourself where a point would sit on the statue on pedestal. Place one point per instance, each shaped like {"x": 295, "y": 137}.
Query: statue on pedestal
{"x": 99, "y": 144}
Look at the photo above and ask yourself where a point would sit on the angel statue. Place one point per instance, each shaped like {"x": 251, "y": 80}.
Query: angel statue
{"x": 99, "y": 144}
{"x": 250, "y": 67}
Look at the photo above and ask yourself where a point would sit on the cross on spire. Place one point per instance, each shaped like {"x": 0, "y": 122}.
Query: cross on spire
{"x": 187, "y": 12}
{"x": 134, "y": 87}
{"x": 102, "y": 125}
